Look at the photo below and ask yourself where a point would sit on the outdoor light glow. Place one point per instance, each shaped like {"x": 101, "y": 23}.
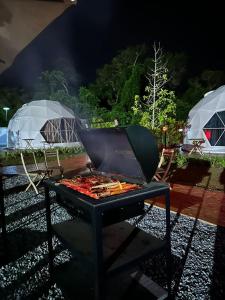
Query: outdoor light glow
{"x": 6, "y": 111}
{"x": 70, "y": 2}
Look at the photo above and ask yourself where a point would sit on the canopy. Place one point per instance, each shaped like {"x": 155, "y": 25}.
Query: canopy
{"x": 207, "y": 121}
{"x": 42, "y": 121}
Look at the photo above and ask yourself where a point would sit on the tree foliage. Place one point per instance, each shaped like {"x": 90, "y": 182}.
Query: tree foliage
{"x": 212, "y": 79}
{"x": 110, "y": 81}
{"x": 138, "y": 86}
{"x": 131, "y": 87}
{"x": 157, "y": 78}
{"x": 196, "y": 88}
{"x": 50, "y": 82}
{"x": 52, "y": 85}
{"x": 165, "y": 110}
{"x": 177, "y": 69}
{"x": 88, "y": 104}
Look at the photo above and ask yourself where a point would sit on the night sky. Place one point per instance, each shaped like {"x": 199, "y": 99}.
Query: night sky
{"x": 88, "y": 35}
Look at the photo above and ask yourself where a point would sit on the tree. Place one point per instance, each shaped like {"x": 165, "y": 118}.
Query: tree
{"x": 212, "y": 78}
{"x": 191, "y": 96}
{"x": 196, "y": 88}
{"x": 177, "y": 69}
{"x": 131, "y": 88}
{"x": 88, "y": 104}
{"x": 157, "y": 78}
{"x": 68, "y": 68}
{"x": 116, "y": 85}
{"x": 49, "y": 83}
{"x": 52, "y": 85}
{"x": 110, "y": 80}
{"x": 164, "y": 107}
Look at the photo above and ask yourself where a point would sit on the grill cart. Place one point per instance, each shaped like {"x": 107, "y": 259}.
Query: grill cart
{"x": 100, "y": 201}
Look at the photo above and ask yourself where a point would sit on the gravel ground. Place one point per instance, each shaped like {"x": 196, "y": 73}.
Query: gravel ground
{"x": 198, "y": 251}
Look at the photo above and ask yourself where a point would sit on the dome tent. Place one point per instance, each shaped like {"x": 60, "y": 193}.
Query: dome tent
{"x": 42, "y": 121}
{"x": 207, "y": 121}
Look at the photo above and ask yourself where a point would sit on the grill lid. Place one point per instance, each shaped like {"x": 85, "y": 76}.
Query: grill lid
{"x": 128, "y": 151}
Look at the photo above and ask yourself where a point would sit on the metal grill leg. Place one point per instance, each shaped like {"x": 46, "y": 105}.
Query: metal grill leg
{"x": 168, "y": 245}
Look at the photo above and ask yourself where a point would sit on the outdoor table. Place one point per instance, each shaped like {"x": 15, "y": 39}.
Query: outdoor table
{"x": 197, "y": 148}
{"x": 49, "y": 144}
{"x": 5, "y": 172}
{"x": 44, "y": 143}
{"x": 28, "y": 143}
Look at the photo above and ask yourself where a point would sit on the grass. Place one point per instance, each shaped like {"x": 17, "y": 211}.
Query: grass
{"x": 200, "y": 173}
{"x": 9, "y": 158}
{"x": 203, "y": 171}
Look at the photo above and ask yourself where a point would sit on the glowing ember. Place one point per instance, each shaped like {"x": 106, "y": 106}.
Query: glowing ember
{"x": 98, "y": 186}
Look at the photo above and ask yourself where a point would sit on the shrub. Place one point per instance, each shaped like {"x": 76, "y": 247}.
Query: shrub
{"x": 181, "y": 160}
{"x": 211, "y": 160}
{"x": 215, "y": 161}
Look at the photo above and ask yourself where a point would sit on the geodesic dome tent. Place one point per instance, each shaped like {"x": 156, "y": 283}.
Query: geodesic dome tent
{"x": 207, "y": 121}
{"x": 3, "y": 136}
{"x": 42, "y": 121}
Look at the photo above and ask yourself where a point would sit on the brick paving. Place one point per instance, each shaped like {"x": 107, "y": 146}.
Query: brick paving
{"x": 196, "y": 202}
{"x": 193, "y": 201}
{"x": 189, "y": 200}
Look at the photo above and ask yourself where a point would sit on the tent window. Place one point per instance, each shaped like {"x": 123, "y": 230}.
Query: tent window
{"x": 208, "y": 134}
{"x": 61, "y": 130}
{"x": 221, "y": 114}
{"x": 214, "y": 122}
{"x": 214, "y": 129}
{"x": 215, "y": 136}
{"x": 221, "y": 140}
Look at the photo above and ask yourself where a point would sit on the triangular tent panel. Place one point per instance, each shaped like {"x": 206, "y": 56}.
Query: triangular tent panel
{"x": 42, "y": 121}
{"x": 207, "y": 121}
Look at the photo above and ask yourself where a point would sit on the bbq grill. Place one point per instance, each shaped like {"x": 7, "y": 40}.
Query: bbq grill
{"x": 128, "y": 155}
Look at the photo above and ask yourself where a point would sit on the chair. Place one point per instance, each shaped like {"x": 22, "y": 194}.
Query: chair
{"x": 164, "y": 166}
{"x": 52, "y": 161}
{"x": 34, "y": 174}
